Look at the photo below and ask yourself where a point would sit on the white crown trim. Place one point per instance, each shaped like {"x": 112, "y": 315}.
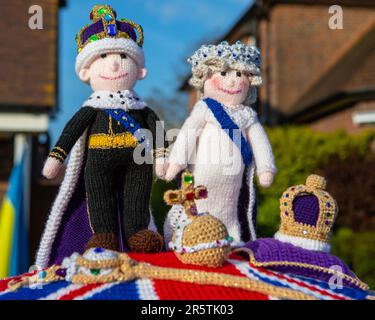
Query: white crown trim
{"x": 109, "y": 45}
{"x": 309, "y": 244}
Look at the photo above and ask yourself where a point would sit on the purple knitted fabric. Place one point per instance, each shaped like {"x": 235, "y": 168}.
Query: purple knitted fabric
{"x": 91, "y": 30}
{"x": 269, "y": 249}
{"x": 306, "y": 209}
{"x": 97, "y": 27}
{"x": 74, "y": 230}
{"x": 127, "y": 28}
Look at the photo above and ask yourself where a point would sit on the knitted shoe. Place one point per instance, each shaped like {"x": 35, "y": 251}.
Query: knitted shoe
{"x": 145, "y": 241}
{"x": 103, "y": 240}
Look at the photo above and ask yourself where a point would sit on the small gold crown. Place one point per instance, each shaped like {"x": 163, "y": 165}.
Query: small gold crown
{"x": 105, "y": 25}
{"x": 308, "y": 211}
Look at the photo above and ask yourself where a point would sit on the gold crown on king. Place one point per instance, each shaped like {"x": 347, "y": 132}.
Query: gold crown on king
{"x": 308, "y": 211}
{"x": 105, "y": 25}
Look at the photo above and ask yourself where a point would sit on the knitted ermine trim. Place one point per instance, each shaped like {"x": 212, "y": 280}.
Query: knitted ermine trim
{"x": 123, "y": 99}
{"x": 308, "y": 244}
{"x": 252, "y": 201}
{"x": 64, "y": 195}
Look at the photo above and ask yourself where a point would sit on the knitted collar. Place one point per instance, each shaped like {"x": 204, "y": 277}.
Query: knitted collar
{"x": 125, "y": 99}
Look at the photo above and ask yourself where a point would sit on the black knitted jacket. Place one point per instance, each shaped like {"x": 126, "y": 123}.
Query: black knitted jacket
{"x": 99, "y": 122}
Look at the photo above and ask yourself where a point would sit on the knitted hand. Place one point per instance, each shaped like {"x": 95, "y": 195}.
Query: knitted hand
{"x": 161, "y": 169}
{"x": 172, "y": 171}
{"x": 266, "y": 179}
{"x": 52, "y": 168}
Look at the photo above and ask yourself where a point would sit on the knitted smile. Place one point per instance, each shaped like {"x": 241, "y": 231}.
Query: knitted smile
{"x": 231, "y": 92}
{"x": 114, "y": 78}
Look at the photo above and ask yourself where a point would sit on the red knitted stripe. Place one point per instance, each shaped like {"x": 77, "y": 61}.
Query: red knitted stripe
{"x": 169, "y": 260}
{"x": 4, "y": 282}
{"x": 176, "y": 290}
{"x": 169, "y": 289}
{"x": 79, "y": 292}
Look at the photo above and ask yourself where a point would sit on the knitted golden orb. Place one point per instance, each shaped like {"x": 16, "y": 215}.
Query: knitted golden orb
{"x": 199, "y": 239}
{"x": 202, "y": 240}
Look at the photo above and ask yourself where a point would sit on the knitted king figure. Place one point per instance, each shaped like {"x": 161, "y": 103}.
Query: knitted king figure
{"x": 105, "y": 195}
{"x": 222, "y": 140}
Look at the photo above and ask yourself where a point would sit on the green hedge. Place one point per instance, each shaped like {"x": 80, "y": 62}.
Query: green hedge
{"x": 299, "y": 152}
{"x": 358, "y": 251}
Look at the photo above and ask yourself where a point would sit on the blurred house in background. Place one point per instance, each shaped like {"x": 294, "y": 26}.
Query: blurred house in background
{"x": 28, "y": 95}
{"x": 312, "y": 74}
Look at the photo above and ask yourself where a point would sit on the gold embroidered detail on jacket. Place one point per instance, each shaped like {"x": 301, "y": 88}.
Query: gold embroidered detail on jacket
{"x": 61, "y": 150}
{"x": 56, "y": 156}
{"x": 107, "y": 141}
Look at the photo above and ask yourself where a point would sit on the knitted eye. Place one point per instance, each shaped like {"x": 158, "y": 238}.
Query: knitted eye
{"x": 123, "y": 56}
{"x": 103, "y": 55}
{"x": 223, "y": 73}
{"x": 239, "y": 74}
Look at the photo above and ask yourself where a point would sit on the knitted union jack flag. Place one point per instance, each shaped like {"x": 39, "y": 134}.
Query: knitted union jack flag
{"x": 270, "y": 285}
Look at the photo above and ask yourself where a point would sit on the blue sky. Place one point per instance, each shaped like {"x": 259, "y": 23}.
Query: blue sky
{"x": 173, "y": 29}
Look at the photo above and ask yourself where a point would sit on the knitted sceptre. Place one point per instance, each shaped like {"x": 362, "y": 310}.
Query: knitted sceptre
{"x": 199, "y": 238}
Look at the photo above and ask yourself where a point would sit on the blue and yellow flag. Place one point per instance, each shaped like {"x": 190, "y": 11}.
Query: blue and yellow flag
{"x": 13, "y": 229}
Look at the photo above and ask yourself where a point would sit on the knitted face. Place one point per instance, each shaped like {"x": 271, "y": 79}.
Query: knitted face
{"x": 112, "y": 72}
{"x": 229, "y": 87}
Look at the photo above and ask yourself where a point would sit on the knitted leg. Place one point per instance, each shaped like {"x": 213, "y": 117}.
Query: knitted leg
{"x": 137, "y": 193}
{"x": 101, "y": 200}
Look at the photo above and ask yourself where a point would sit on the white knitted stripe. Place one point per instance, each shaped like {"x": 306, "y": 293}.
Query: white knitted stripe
{"x": 62, "y": 292}
{"x": 63, "y": 197}
{"x": 146, "y": 290}
{"x": 244, "y": 267}
{"x": 308, "y": 244}
{"x": 109, "y": 45}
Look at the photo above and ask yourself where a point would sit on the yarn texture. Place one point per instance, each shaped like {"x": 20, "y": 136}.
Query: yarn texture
{"x": 307, "y": 215}
{"x": 104, "y": 168}
{"x": 217, "y": 164}
{"x": 105, "y": 196}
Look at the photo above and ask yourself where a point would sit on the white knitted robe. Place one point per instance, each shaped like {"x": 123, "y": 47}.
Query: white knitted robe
{"x": 216, "y": 163}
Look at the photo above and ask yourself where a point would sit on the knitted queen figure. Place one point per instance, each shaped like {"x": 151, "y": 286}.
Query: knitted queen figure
{"x": 222, "y": 139}
{"x": 104, "y": 198}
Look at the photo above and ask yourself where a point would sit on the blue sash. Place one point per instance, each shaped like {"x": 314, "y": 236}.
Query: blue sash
{"x": 129, "y": 124}
{"x": 228, "y": 125}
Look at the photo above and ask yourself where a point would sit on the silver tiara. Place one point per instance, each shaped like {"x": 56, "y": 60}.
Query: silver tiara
{"x": 236, "y": 53}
